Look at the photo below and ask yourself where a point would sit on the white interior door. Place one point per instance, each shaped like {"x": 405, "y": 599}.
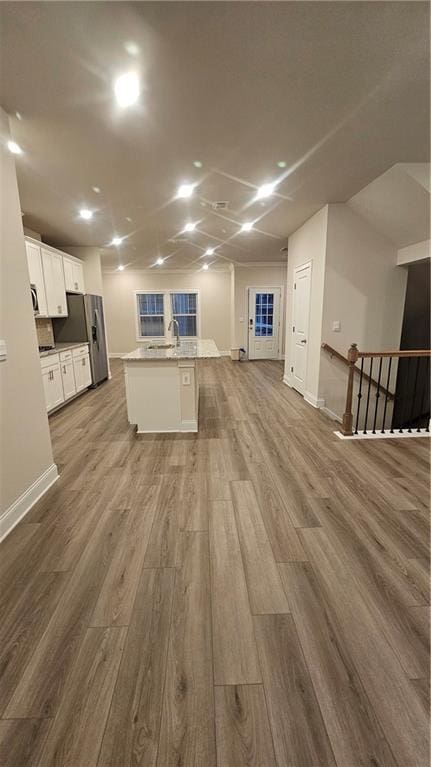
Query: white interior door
{"x": 263, "y": 323}
{"x": 300, "y": 324}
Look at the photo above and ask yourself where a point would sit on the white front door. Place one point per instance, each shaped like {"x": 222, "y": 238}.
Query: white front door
{"x": 300, "y": 323}
{"x": 263, "y": 323}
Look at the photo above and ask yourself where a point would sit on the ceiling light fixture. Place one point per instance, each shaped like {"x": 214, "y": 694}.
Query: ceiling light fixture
{"x": 126, "y": 89}
{"x": 116, "y": 241}
{"x": 281, "y": 164}
{"x": 160, "y": 261}
{"x": 197, "y": 163}
{"x": 190, "y": 227}
{"x": 209, "y": 252}
{"x": 120, "y": 268}
{"x": 206, "y": 267}
{"x": 185, "y": 190}
{"x": 128, "y": 219}
{"x": 14, "y": 147}
{"x": 96, "y": 189}
{"x": 86, "y": 214}
{"x": 18, "y": 115}
{"x": 132, "y": 48}
{"x": 247, "y": 227}
{"x": 265, "y": 190}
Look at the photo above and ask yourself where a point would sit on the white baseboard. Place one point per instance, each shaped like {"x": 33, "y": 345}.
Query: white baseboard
{"x": 288, "y": 381}
{"x": 333, "y": 416}
{"x": 10, "y": 518}
{"x": 386, "y": 435}
{"x": 317, "y": 402}
{"x": 115, "y": 355}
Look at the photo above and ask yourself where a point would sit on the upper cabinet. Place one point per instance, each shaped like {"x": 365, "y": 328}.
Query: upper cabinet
{"x": 73, "y": 275}
{"x": 52, "y": 264}
{"x": 34, "y": 261}
{"x": 53, "y": 273}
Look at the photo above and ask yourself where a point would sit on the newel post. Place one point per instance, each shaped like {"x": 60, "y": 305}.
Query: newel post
{"x": 347, "y": 424}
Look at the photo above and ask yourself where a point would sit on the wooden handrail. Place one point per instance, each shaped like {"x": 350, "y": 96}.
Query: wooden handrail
{"x": 334, "y": 353}
{"x": 399, "y": 353}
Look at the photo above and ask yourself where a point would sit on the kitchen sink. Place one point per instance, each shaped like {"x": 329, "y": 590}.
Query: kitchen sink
{"x": 161, "y": 346}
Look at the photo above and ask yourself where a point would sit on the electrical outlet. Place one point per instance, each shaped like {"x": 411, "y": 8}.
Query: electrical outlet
{"x": 336, "y": 326}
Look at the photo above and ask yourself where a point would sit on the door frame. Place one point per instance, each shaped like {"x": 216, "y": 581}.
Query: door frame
{"x": 280, "y": 355}
{"x": 289, "y": 354}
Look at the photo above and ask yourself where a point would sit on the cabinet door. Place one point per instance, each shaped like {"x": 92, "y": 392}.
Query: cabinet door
{"x": 68, "y": 274}
{"x": 54, "y": 283}
{"x": 68, "y": 378}
{"x": 34, "y": 261}
{"x": 78, "y": 369}
{"x": 78, "y": 277}
{"x": 86, "y": 371}
{"x": 53, "y": 388}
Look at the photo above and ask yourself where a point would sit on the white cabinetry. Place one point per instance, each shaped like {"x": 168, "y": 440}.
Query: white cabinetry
{"x": 67, "y": 374}
{"x": 52, "y": 382}
{"x": 34, "y": 261}
{"x": 81, "y": 367}
{"x": 73, "y": 275}
{"x": 52, "y": 264}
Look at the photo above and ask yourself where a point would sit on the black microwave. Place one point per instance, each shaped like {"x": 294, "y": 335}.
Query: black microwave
{"x": 34, "y": 300}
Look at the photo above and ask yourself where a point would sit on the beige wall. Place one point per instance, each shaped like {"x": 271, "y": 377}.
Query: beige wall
{"x": 25, "y": 449}
{"x": 308, "y": 244}
{"x": 364, "y": 291}
{"x": 119, "y": 298}
{"x": 248, "y": 276}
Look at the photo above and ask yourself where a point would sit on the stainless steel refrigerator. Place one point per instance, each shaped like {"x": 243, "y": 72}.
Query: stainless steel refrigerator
{"x": 85, "y": 322}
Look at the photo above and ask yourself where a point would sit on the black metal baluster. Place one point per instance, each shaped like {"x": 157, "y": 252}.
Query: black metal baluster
{"x": 423, "y": 408}
{"x": 386, "y": 395}
{"x": 377, "y": 395}
{"x": 414, "y": 395}
{"x": 368, "y": 395}
{"x": 359, "y": 395}
{"x": 406, "y": 402}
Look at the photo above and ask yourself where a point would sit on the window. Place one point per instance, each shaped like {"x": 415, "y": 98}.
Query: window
{"x": 155, "y": 311}
{"x": 264, "y": 314}
{"x": 151, "y": 314}
{"x": 184, "y": 310}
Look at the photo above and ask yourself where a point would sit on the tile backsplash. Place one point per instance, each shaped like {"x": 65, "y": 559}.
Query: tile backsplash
{"x": 45, "y": 334}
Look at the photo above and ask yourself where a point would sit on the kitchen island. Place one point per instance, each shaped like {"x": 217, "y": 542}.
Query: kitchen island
{"x": 162, "y": 387}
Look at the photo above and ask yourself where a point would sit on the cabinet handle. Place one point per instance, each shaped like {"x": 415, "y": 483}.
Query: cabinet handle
{"x": 83, "y": 360}
{"x": 60, "y": 308}
{"x": 76, "y": 286}
{"x": 64, "y": 369}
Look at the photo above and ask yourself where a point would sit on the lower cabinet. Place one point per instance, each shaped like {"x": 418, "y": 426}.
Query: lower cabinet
{"x": 81, "y": 366}
{"x": 68, "y": 379}
{"x": 53, "y": 386}
{"x": 64, "y": 375}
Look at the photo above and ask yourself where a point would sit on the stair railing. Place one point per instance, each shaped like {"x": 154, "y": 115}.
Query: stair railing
{"x": 413, "y": 411}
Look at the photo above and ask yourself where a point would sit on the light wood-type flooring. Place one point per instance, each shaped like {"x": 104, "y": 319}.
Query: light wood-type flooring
{"x": 256, "y": 594}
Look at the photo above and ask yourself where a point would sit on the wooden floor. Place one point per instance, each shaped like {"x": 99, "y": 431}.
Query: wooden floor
{"x": 256, "y": 594}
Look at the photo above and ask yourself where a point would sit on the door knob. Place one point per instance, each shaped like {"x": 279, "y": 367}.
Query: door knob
{"x": 304, "y": 341}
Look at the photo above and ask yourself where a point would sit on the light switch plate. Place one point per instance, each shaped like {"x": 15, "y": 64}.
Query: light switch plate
{"x": 186, "y": 379}
{"x": 336, "y": 326}
{"x": 3, "y": 350}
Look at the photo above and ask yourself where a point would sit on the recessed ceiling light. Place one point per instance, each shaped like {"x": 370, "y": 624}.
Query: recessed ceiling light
{"x": 209, "y": 252}
{"x": 128, "y": 219}
{"x": 206, "y": 267}
{"x": 197, "y": 163}
{"x": 126, "y": 89}
{"x": 85, "y": 213}
{"x": 185, "y": 190}
{"x": 96, "y": 189}
{"x": 265, "y": 190}
{"x": 18, "y": 115}
{"x": 132, "y": 48}
{"x": 160, "y": 261}
{"x": 190, "y": 227}
{"x": 281, "y": 164}
{"x": 116, "y": 241}
{"x": 14, "y": 147}
{"x": 247, "y": 227}
{"x": 120, "y": 268}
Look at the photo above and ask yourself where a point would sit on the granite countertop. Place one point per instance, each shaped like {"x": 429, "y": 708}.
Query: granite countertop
{"x": 203, "y": 348}
{"x": 62, "y": 347}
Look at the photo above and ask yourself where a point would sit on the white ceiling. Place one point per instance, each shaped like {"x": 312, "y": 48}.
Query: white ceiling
{"x": 339, "y": 91}
{"x": 397, "y": 203}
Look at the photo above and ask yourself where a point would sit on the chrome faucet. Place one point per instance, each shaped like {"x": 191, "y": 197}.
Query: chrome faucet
{"x": 177, "y": 334}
